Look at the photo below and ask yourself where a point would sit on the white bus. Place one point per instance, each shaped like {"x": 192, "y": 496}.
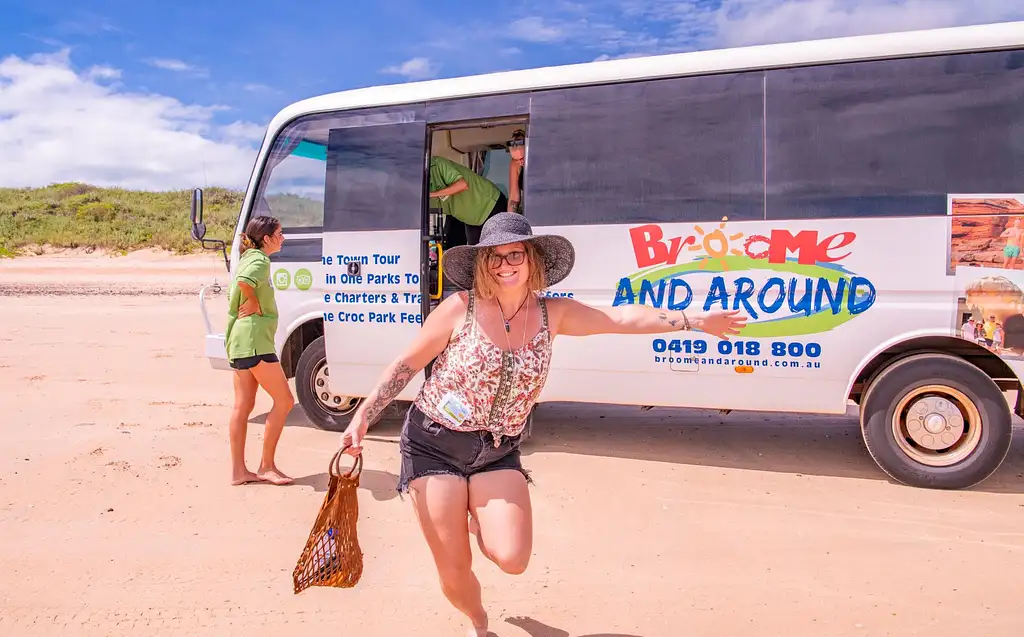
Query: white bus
{"x": 857, "y": 197}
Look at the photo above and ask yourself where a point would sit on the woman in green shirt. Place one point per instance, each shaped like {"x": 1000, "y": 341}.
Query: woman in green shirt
{"x": 249, "y": 339}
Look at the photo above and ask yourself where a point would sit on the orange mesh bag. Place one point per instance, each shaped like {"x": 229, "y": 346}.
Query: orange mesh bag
{"x": 332, "y": 556}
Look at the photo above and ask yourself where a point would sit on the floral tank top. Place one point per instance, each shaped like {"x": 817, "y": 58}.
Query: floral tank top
{"x": 495, "y": 389}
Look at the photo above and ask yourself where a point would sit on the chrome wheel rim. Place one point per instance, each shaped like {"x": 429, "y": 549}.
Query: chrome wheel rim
{"x": 337, "y": 404}
{"x": 937, "y": 425}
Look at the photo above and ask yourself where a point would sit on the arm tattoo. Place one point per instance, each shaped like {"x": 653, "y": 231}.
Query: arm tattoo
{"x": 679, "y": 323}
{"x": 386, "y": 391}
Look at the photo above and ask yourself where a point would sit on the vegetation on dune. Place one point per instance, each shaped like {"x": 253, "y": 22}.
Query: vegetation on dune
{"x": 74, "y": 215}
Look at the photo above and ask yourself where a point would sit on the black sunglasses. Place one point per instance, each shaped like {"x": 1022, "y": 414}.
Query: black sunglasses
{"x": 512, "y": 258}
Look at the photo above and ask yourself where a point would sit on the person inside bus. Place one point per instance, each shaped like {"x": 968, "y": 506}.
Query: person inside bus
{"x": 491, "y": 347}
{"x": 249, "y": 340}
{"x": 516, "y": 170}
{"x": 466, "y": 198}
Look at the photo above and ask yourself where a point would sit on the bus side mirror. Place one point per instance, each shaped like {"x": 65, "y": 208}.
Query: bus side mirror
{"x": 196, "y": 215}
{"x": 195, "y": 218}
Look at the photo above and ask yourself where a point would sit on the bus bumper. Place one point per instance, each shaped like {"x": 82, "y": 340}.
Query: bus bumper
{"x": 216, "y": 351}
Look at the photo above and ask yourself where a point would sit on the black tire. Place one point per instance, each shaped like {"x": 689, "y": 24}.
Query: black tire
{"x": 967, "y": 392}
{"x": 306, "y": 370}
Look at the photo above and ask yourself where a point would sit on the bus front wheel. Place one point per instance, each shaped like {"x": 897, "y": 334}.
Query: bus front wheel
{"x": 936, "y": 421}
{"x": 324, "y": 408}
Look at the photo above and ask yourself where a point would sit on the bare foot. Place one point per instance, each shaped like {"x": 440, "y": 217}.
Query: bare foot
{"x": 246, "y": 477}
{"x": 479, "y": 632}
{"x": 274, "y": 476}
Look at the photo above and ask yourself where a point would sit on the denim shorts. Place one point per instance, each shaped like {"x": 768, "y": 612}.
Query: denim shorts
{"x": 429, "y": 448}
{"x": 252, "y": 361}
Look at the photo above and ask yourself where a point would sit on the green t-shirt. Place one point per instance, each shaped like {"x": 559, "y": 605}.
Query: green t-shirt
{"x": 251, "y": 335}
{"x": 470, "y": 206}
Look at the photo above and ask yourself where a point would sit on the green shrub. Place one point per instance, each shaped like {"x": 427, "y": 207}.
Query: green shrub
{"x": 73, "y": 215}
{"x": 97, "y": 211}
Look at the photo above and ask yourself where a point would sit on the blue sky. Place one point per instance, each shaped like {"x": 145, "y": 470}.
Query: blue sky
{"x": 170, "y": 95}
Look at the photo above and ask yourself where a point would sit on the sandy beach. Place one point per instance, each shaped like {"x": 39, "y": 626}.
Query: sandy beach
{"x": 116, "y": 516}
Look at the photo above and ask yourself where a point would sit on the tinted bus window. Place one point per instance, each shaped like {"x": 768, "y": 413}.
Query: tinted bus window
{"x": 292, "y": 183}
{"x": 893, "y": 137}
{"x": 292, "y": 186}
{"x": 688, "y": 149}
{"x": 294, "y": 174}
{"x": 375, "y": 177}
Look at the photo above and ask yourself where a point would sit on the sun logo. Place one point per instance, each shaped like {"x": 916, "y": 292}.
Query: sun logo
{"x": 715, "y": 245}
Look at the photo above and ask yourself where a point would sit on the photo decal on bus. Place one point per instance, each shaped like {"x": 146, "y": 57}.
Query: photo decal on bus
{"x": 985, "y": 256}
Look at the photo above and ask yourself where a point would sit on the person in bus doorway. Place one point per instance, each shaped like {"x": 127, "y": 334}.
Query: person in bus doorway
{"x": 466, "y": 198}
{"x": 249, "y": 339}
{"x": 516, "y": 170}
{"x": 491, "y": 346}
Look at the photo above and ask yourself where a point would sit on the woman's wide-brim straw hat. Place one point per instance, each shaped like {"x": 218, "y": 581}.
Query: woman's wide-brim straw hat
{"x": 502, "y": 229}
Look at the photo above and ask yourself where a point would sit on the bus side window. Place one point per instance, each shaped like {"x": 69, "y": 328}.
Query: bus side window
{"x": 673, "y": 150}
{"x": 890, "y": 138}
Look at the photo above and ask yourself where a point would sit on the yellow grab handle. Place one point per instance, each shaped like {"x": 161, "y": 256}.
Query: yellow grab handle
{"x": 440, "y": 273}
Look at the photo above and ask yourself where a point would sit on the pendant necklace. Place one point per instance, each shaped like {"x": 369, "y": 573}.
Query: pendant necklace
{"x": 507, "y": 327}
{"x": 512, "y": 365}
{"x": 513, "y": 361}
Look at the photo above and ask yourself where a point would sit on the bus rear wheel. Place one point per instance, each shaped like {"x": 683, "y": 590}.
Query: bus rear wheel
{"x": 325, "y": 409}
{"x": 936, "y": 421}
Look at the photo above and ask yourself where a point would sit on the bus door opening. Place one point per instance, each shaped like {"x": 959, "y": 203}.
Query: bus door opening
{"x": 487, "y": 150}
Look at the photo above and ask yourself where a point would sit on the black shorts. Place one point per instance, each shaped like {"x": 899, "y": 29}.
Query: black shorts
{"x": 429, "y": 448}
{"x": 252, "y": 361}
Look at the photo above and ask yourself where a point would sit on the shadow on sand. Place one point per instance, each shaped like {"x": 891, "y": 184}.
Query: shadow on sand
{"x": 785, "y": 443}
{"x": 534, "y": 628}
{"x": 296, "y": 418}
{"x": 380, "y": 484}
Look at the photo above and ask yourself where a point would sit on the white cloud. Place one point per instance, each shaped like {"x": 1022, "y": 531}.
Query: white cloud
{"x": 103, "y": 73}
{"x": 243, "y": 131}
{"x": 537, "y": 29}
{"x": 51, "y": 42}
{"x": 419, "y": 68}
{"x": 619, "y": 28}
{"x": 741, "y": 22}
{"x": 178, "y": 66}
{"x": 58, "y": 124}
{"x": 85, "y": 22}
{"x": 597, "y": 30}
{"x": 604, "y": 57}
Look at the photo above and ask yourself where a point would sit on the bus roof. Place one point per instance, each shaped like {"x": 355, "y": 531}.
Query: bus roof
{"x": 1004, "y": 35}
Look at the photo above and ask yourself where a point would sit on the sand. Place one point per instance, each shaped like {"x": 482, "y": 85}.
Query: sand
{"x": 116, "y": 516}
{"x": 77, "y": 272}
